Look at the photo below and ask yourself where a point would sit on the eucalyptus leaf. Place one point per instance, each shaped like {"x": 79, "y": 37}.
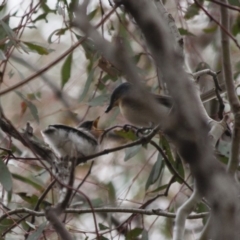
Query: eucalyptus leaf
{"x": 192, "y": 11}
{"x": 31, "y": 199}
{"x": 99, "y": 100}
{"x": 5, "y": 176}
{"x": 57, "y": 32}
{"x": 36, "y": 235}
{"x": 33, "y": 109}
{"x": 87, "y": 85}
{"x": 236, "y": 26}
{"x": 27, "y": 180}
{"x": 130, "y": 134}
{"x": 168, "y": 152}
{"x": 103, "y": 238}
{"x": 66, "y": 70}
{"x": 211, "y": 29}
{"x": 11, "y": 34}
{"x": 102, "y": 227}
{"x": 42, "y": 16}
{"x": 144, "y": 235}
{"x": 185, "y": 32}
{"x": 155, "y": 172}
{"x": 131, "y": 152}
{"x": 111, "y": 192}
{"x": 234, "y": 2}
{"x": 2, "y": 55}
{"x": 134, "y": 233}
{"x": 7, "y": 223}
{"x": 37, "y": 48}
{"x": 158, "y": 189}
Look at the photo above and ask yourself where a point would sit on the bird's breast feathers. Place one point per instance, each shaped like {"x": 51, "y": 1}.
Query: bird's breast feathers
{"x": 134, "y": 113}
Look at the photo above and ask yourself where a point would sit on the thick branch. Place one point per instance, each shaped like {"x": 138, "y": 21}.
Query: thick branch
{"x": 232, "y": 95}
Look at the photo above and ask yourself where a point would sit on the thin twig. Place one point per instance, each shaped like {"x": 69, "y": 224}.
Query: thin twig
{"x": 169, "y": 164}
{"x": 157, "y": 212}
{"x": 44, "y": 69}
{"x": 218, "y": 23}
{"x": 36, "y": 208}
{"x": 225, "y": 5}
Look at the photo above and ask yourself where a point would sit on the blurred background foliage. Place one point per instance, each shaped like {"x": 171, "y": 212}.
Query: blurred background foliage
{"x": 63, "y": 61}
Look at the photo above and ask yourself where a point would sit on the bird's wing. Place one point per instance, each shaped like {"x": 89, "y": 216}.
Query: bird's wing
{"x": 164, "y": 100}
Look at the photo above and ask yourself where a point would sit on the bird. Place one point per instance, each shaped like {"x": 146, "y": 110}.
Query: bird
{"x": 68, "y": 141}
{"x": 137, "y": 114}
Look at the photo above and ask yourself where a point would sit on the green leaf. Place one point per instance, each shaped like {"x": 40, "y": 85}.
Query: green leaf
{"x": 9, "y": 197}
{"x": 130, "y": 134}
{"x": 155, "y": 172}
{"x": 111, "y": 192}
{"x": 33, "y": 109}
{"x": 92, "y": 14}
{"x": 2, "y": 55}
{"x": 168, "y": 150}
{"x": 99, "y": 101}
{"x": 185, "y": 32}
{"x": 200, "y": 208}
{"x": 3, "y": 7}
{"x": 46, "y": 8}
{"x": 159, "y": 189}
{"x": 28, "y": 181}
{"x": 102, "y": 227}
{"x": 6, "y": 223}
{"x": 11, "y": 34}
{"x": 236, "y": 26}
{"x": 211, "y": 29}
{"x": 180, "y": 169}
{"x": 32, "y": 226}
{"x": 234, "y": 2}
{"x": 134, "y": 233}
{"x": 87, "y": 85}
{"x": 34, "y": 96}
{"x": 137, "y": 57}
{"x": 107, "y": 77}
{"x": 31, "y": 199}
{"x": 66, "y": 70}
{"x": 36, "y": 235}
{"x": 3, "y": 33}
{"x": 103, "y": 238}
{"x": 97, "y": 202}
{"x": 41, "y": 17}
{"x": 237, "y": 66}
{"x": 57, "y": 32}
{"x": 224, "y": 159}
{"x": 192, "y": 11}
{"x": 35, "y": 47}
{"x": 131, "y": 152}
{"x": 88, "y": 46}
{"x": 144, "y": 235}
{"x": 5, "y": 176}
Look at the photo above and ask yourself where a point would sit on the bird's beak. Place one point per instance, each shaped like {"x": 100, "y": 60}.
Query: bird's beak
{"x": 95, "y": 130}
{"x": 95, "y": 122}
{"x": 109, "y": 108}
{"x": 111, "y": 105}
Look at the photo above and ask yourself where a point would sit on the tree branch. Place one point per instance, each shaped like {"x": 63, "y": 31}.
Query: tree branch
{"x": 232, "y": 95}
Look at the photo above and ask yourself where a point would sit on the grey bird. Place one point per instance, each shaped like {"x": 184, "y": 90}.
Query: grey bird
{"x": 137, "y": 114}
